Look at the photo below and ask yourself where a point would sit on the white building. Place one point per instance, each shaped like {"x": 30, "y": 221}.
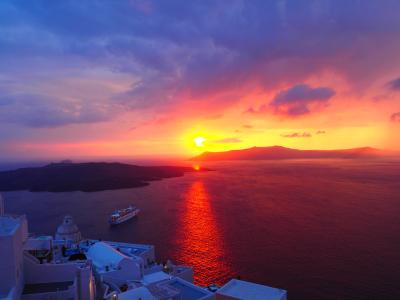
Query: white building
{"x": 68, "y": 230}
{"x": 13, "y": 236}
{"x": 28, "y": 271}
{"x": 66, "y": 268}
{"x": 141, "y": 293}
{"x": 243, "y": 290}
{"x": 114, "y": 265}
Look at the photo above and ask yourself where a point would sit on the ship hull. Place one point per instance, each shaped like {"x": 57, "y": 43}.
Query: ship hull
{"x": 124, "y": 218}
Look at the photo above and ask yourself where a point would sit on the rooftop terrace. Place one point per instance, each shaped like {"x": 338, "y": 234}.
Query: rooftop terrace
{"x": 189, "y": 291}
{"x": 239, "y": 289}
{"x": 126, "y": 248}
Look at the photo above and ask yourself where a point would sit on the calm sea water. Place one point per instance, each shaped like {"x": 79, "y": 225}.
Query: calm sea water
{"x": 322, "y": 229}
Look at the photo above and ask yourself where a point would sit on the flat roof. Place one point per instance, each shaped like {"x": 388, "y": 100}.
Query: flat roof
{"x": 189, "y": 291}
{"x": 155, "y": 277}
{"x": 134, "y": 249}
{"x": 9, "y": 224}
{"x": 47, "y": 287}
{"x": 251, "y": 291}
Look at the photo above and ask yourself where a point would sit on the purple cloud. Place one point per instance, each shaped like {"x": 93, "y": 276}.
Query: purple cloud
{"x": 299, "y": 99}
{"x": 297, "y": 135}
{"x": 41, "y": 111}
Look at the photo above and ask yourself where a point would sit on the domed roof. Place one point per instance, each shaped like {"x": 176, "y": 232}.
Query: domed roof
{"x": 68, "y": 230}
{"x": 68, "y": 226}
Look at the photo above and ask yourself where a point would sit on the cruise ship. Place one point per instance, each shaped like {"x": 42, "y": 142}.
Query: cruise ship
{"x": 122, "y": 215}
{"x": 67, "y": 266}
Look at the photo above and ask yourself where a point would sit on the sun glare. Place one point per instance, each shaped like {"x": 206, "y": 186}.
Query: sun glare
{"x": 199, "y": 141}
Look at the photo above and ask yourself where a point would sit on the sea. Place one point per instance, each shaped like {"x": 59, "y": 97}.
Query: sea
{"x": 320, "y": 229}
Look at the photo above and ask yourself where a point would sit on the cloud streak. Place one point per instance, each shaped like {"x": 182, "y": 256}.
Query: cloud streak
{"x": 297, "y": 135}
{"x": 247, "y": 126}
{"x": 40, "y": 111}
{"x": 227, "y": 141}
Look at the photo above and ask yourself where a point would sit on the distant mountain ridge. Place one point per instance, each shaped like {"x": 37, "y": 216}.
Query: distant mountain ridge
{"x": 279, "y": 152}
{"x": 87, "y": 177}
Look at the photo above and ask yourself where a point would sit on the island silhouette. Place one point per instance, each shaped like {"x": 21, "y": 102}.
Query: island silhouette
{"x": 86, "y": 177}
{"x": 279, "y": 152}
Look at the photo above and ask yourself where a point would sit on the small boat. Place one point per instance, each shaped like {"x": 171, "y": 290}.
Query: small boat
{"x": 122, "y": 215}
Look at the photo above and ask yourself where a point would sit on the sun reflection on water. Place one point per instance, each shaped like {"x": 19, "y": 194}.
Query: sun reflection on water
{"x": 200, "y": 240}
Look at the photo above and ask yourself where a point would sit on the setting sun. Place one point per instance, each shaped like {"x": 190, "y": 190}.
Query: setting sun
{"x": 199, "y": 141}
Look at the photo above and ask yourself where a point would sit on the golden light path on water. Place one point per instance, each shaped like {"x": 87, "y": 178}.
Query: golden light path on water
{"x": 201, "y": 244}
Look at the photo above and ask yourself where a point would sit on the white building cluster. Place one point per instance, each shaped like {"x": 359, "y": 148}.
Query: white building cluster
{"x": 71, "y": 268}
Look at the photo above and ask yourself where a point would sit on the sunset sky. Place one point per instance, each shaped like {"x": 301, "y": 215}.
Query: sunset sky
{"x": 146, "y": 78}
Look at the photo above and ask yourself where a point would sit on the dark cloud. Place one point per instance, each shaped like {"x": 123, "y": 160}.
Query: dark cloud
{"x": 299, "y": 99}
{"x": 297, "y": 135}
{"x": 394, "y": 84}
{"x": 227, "y": 141}
{"x": 395, "y": 117}
{"x": 320, "y": 132}
{"x": 247, "y": 126}
{"x": 41, "y": 111}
